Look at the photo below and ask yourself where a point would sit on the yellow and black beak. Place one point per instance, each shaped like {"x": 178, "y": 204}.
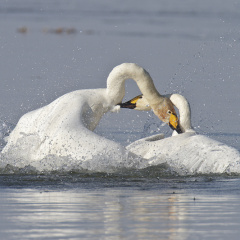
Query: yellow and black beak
{"x": 174, "y": 123}
{"x": 131, "y": 104}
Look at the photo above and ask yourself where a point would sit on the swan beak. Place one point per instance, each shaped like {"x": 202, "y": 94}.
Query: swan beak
{"x": 131, "y": 104}
{"x": 127, "y": 105}
{"x": 174, "y": 123}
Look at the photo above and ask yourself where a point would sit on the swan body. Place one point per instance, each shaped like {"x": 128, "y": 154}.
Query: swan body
{"x": 64, "y": 128}
{"x": 187, "y": 153}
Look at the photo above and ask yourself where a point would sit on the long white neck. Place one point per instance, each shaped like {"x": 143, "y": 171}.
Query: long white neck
{"x": 184, "y": 111}
{"x": 118, "y": 76}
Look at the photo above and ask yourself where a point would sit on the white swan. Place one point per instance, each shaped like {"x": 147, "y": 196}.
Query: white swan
{"x": 64, "y": 127}
{"x": 187, "y": 153}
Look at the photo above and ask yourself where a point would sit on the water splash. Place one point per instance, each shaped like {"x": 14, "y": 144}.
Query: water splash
{"x": 5, "y": 130}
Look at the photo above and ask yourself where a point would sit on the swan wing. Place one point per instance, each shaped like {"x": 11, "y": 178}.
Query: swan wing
{"x": 189, "y": 153}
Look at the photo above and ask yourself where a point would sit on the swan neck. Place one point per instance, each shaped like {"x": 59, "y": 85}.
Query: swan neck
{"x": 118, "y": 76}
{"x": 184, "y": 111}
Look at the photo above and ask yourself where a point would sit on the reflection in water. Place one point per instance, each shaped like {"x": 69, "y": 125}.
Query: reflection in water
{"x": 109, "y": 213}
{"x": 112, "y": 214}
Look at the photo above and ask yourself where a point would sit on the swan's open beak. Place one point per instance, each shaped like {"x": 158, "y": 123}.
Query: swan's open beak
{"x": 131, "y": 104}
{"x": 174, "y": 123}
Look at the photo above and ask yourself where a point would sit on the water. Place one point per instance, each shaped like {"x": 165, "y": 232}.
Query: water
{"x": 49, "y": 48}
{"x": 73, "y": 206}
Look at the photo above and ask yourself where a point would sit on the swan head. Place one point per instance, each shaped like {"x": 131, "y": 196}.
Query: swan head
{"x": 164, "y": 110}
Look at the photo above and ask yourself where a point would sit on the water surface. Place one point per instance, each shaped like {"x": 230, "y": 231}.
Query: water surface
{"x": 73, "y": 206}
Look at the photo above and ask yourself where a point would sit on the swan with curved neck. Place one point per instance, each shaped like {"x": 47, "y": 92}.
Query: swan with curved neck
{"x": 187, "y": 153}
{"x": 161, "y": 105}
{"x": 64, "y": 128}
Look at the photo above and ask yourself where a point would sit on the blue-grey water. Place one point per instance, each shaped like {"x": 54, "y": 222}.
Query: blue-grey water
{"x": 100, "y": 206}
{"x": 48, "y": 48}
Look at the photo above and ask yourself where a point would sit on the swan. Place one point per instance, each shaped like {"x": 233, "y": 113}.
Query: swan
{"x": 64, "y": 128}
{"x": 186, "y": 153}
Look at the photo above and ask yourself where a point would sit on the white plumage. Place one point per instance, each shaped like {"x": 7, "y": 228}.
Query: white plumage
{"x": 64, "y": 128}
{"x": 187, "y": 153}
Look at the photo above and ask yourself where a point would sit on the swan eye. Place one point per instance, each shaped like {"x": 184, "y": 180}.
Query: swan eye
{"x": 169, "y": 112}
